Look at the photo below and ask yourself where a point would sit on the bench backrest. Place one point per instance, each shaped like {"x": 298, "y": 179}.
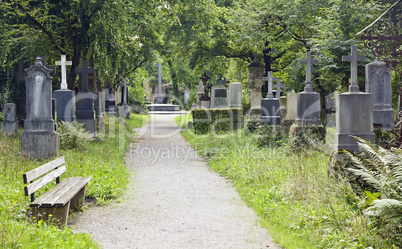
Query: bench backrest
{"x": 50, "y": 171}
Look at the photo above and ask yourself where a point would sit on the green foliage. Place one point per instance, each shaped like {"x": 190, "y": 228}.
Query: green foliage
{"x": 381, "y": 171}
{"x": 302, "y": 206}
{"x": 270, "y": 136}
{"x": 103, "y": 160}
{"x": 217, "y": 120}
{"x": 73, "y": 136}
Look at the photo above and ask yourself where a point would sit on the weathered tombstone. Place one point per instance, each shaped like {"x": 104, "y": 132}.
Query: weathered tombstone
{"x": 160, "y": 96}
{"x": 219, "y": 94}
{"x": 235, "y": 97}
{"x": 270, "y": 105}
{"x": 9, "y": 125}
{"x": 255, "y": 75}
{"x": 65, "y": 98}
{"x": 124, "y": 108}
{"x": 291, "y": 111}
{"x": 308, "y": 101}
{"x": 200, "y": 92}
{"x": 354, "y": 111}
{"x": 110, "y": 104}
{"x": 39, "y": 139}
{"x": 186, "y": 95}
{"x": 378, "y": 83}
{"x": 308, "y": 106}
{"x": 85, "y": 112}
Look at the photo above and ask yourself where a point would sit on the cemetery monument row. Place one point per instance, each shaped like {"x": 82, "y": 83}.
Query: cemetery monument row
{"x": 39, "y": 139}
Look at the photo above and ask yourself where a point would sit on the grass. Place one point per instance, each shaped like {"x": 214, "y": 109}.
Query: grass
{"x": 103, "y": 160}
{"x": 301, "y": 206}
{"x": 183, "y": 120}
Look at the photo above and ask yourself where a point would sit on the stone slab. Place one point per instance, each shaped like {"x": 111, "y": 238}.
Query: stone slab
{"x": 308, "y": 108}
{"x": 65, "y": 105}
{"x": 89, "y": 125}
{"x": 9, "y": 128}
{"x": 40, "y": 144}
{"x": 354, "y": 117}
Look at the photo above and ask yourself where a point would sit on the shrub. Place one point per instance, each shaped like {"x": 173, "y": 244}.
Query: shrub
{"x": 73, "y": 136}
{"x": 217, "y": 120}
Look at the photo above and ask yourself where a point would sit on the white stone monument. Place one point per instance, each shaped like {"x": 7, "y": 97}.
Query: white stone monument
{"x": 354, "y": 111}
{"x": 219, "y": 94}
{"x": 65, "y": 98}
{"x": 235, "y": 95}
{"x": 255, "y": 75}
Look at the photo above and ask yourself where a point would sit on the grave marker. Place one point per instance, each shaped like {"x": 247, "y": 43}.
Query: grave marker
{"x": 63, "y": 63}
{"x": 85, "y": 100}
{"x": 354, "y": 111}
{"x": 39, "y": 139}
{"x": 270, "y": 105}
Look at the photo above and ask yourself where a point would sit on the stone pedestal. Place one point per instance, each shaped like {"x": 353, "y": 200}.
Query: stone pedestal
{"x": 235, "y": 95}
{"x": 308, "y": 108}
{"x": 40, "y": 144}
{"x": 9, "y": 125}
{"x": 354, "y": 117}
{"x": 219, "y": 97}
{"x": 378, "y": 83}
{"x": 85, "y": 112}
{"x": 65, "y": 105}
{"x": 204, "y": 104}
{"x": 255, "y": 75}
{"x": 270, "y": 111}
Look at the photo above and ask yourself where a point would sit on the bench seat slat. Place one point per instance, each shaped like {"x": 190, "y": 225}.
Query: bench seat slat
{"x": 35, "y": 173}
{"x": 38, "y": 201}
{"x": 35, "y": 186}
{"x": 72, "y": 191}
{"x": 50, "y": 200}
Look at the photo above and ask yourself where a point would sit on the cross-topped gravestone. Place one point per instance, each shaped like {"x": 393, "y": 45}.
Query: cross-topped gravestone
{"x": 279, "y": 86}
{"x": 63, "y": 63}
{"x": 308, "y": 61}
{"x": 354, "y": 59}
{"x": 84, "y": 71}
{"x": 269, "y": 78}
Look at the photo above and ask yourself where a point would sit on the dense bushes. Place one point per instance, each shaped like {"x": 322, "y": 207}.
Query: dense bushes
{"x": 218, "y": 120}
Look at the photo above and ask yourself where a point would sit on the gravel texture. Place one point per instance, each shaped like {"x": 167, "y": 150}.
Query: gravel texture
{"x": 173, "y": 201}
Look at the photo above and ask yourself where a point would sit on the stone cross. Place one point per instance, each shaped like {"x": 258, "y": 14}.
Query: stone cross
{"x": 160, "y": 97}
{"x": 269, "y": 78}
{"x": 354, "y": 58}
{"x": 308, "y": 61}
{"x": 63, "y": 63}
{"x": 84, "y": 71}
{"x": 279, "y": 86}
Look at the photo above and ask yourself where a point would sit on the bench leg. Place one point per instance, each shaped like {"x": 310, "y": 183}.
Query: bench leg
{"x": 78, "y": 199}
{"x": 59, "y": 214}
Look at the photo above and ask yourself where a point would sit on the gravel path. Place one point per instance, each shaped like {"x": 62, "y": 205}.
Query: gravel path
{"x": 173, "y": 201}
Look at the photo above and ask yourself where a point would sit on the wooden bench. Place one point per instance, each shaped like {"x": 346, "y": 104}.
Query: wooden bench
{"x": 65, "y": 195}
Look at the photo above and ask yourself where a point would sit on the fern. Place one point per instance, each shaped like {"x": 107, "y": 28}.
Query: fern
{"x": 381, "y": 170}
{"x": 73, "y": 136}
